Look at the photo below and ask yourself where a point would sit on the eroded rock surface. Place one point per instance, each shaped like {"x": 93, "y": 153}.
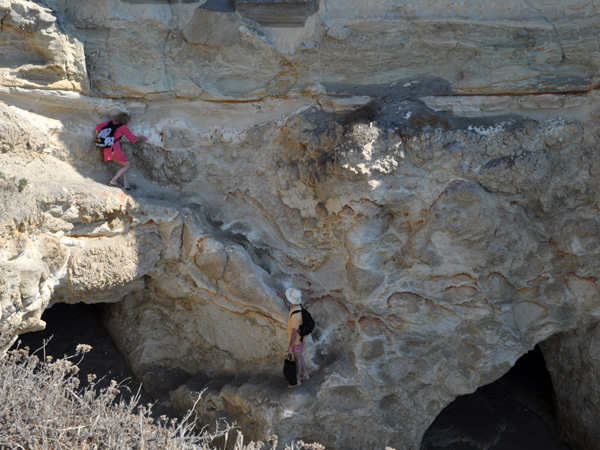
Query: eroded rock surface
{"x": 35, "y": 53}
{"x": 435, "y": 237}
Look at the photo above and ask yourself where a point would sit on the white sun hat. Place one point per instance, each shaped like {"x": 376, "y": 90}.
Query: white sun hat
{"x": 293, "y": 295}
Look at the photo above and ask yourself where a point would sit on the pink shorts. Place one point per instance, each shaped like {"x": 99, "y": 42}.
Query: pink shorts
{"x": 114, "y": 153}
{"x": 298, "y": 348}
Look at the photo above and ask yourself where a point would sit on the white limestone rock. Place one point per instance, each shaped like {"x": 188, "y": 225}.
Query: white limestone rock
{"x": 475, "y": 46}
{"x": 432, "y": 249}
{"x": 36, "y": 53}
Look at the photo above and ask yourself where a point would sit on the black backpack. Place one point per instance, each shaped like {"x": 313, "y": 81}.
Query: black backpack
{"x": 308, "y": 323}
{"x": 106, "y": 136}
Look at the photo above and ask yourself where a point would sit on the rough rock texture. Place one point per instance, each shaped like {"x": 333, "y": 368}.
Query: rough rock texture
{"x": 436, "y": 237}
{"x": 35, "y": 54}
{"x": 478, "y": 46}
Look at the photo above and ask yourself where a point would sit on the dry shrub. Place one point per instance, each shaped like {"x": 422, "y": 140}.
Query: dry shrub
{"x": 42, "y": 407}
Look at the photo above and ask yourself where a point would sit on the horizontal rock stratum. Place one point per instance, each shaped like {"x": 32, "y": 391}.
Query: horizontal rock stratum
{"x": 426, "y": 173}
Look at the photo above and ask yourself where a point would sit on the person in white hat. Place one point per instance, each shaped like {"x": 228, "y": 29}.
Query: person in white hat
{"x": 295, "y": 342}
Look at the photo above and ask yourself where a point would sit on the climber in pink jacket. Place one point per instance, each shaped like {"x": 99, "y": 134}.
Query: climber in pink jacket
{"x": 114, "y": 152}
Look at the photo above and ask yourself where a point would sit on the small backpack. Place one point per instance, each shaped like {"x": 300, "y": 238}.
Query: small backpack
{"x": 106, "y": 136}
{"x": 308, "y": 323}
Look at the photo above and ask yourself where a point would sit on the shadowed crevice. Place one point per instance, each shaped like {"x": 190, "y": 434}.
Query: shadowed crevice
{"x": 67, "y": 326}
{"x": 516, "y": 412}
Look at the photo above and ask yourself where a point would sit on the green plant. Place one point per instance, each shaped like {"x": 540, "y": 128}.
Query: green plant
{"x": 22, "y": 183}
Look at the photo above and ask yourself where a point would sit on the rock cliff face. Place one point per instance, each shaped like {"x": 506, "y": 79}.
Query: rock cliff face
{"x": 425, "y": 173}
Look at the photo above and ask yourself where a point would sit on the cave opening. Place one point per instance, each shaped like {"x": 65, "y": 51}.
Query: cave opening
{"x": 67, "y": 326}
{"x": 515, "y": 412}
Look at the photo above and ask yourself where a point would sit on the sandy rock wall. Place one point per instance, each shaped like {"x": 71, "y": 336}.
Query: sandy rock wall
{"x": 435, "y": 236}
{"x": 35, "y": 52}
{"x": 431, "y": 261}
{"x": 188, "y": 52}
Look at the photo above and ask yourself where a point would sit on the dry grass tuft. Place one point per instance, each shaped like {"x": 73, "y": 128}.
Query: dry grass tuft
{"x": 42, "y": 407}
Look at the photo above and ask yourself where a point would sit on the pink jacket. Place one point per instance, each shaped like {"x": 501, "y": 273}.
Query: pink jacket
{"x": 116, "y": 149}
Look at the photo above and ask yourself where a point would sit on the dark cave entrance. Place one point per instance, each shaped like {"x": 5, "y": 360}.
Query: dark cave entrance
{"x": 516, "y": 412}
{"x": 70, "y": 325}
